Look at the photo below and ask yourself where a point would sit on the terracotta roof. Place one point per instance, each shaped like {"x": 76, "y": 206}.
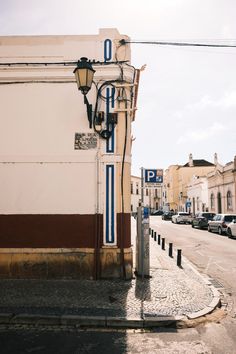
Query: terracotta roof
{"x": 198, "y": 163}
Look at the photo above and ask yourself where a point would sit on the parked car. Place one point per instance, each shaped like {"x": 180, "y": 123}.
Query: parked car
{"x": 167, "y": 215}
{"x": 201, "y": 220}
{"x": 231, "y": 229}
{"x": 220, "y": 223}
{"x": 157, "y": 212}
{"x": 182, "y": 217}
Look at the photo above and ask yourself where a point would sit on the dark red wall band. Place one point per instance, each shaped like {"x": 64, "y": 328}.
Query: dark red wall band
{"x": 58, "y": 231}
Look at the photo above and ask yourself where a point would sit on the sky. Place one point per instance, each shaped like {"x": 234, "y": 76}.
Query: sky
{"x": 187, "y": 96}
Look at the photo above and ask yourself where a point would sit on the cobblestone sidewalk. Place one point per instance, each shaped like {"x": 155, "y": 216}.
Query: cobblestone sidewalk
{"x": 171, "y": 291}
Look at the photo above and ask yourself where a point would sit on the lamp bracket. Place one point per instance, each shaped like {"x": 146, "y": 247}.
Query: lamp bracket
{"x": 89, "y": 111}
{"x": 112, "y": 118}
{"x": 100, "y": 117}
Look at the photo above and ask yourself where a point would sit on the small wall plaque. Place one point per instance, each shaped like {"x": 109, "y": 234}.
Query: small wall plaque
{"x": 85, "y": 141}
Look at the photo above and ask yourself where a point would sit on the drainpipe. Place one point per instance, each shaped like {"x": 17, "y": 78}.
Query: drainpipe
{"x": 97, "y": 269}
{"x": 122, "y": 195}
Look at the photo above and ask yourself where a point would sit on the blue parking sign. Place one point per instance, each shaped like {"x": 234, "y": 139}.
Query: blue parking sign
{"x": 153, "y": 176}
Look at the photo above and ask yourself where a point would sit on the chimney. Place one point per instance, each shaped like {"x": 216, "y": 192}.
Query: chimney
{"x": 190, "y": 161}
{"x": 215, "y": 159}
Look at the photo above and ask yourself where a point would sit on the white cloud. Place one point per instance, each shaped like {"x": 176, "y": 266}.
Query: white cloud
{"x": 204, "y": 134}
{"x": 225, "y": 102}
{"x": 228, "y": 101}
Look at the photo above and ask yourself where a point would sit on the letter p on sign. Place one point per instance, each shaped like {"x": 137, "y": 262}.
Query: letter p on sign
{"x": 150, "y": 176}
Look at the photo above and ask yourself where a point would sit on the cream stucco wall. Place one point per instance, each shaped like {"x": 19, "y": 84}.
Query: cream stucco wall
{"x": 39, "y": 122}
{"x": 185, "y": 174}
{"x": 197, "y": 194}
{"x": 171, "y": 187}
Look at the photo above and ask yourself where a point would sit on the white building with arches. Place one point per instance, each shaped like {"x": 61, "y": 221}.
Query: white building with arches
{"x": 222, "y": 188}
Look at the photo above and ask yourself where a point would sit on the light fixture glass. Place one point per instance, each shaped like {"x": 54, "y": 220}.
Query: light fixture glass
{"x": 84, "y": 75}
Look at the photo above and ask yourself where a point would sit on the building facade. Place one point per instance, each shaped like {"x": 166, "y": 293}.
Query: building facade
{"x": 152, "y": 195}
{"x": 176, "y": 182}
{"x": 222, "y": 188}
{"x": 171, "y": 187}
{"x": 197, "y": 195}
{"x": 64, "y": 181}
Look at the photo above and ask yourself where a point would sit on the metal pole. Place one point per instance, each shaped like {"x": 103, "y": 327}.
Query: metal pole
{"x": 142, "y": 229}
{"x": 159, "y": 239}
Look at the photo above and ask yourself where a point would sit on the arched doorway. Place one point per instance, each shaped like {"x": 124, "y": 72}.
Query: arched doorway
{"x": 219, "y": 203}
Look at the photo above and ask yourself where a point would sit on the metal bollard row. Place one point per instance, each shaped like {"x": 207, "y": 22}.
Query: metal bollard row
{"x": 161, "y": 241}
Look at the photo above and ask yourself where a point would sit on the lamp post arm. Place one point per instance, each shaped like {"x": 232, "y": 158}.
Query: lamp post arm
{"x": 89, "y": 111}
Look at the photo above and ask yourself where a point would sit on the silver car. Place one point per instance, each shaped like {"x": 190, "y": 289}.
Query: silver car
{"x": 220, "y": 223}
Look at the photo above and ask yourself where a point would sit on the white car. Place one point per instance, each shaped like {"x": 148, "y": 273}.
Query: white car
{"x": 231, "y": 229}
{"x": 182, "y": 217}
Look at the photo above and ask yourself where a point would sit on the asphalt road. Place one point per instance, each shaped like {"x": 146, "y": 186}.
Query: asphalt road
{"x": 215, "y": 256}
{"x": 211, "y": 253}
{"x": 161, "y": 341}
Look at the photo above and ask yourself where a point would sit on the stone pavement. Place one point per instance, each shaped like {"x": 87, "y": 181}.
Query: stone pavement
{"x": 171, "y": 294}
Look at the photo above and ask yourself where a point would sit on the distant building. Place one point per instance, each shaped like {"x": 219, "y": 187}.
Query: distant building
{"x": 197, "y": 194}
{"x": 222, "y": 188}
{"x": 152, "y": 196}
{"x": 177, "y": 178}
{"x": 171, "y": 187}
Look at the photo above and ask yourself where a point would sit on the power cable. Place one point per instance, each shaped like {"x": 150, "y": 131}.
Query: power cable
{"x": 180, "y": 44}
{"x": 62, "y": 63}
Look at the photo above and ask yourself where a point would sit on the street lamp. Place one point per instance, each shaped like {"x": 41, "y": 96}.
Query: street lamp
{"x": 84, "y": 77}
{"x": 84, "y": 73}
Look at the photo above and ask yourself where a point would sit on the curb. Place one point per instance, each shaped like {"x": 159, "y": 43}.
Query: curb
{"x": 10, "y": 319}
{"x": 216, "y": 301}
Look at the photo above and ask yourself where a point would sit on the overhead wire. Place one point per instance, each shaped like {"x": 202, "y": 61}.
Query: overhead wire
{"x": 180, "y": 44}
{"x": 60, "y": 63}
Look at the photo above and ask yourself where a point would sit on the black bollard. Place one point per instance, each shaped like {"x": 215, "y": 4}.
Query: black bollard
{"x": 155, "y": 236}
{"x": 179, "y": 258}
{"x": 152, "y": 233}
{"x": 159, "y": 239}
{"x": 149, "y": 231}
{"x": 163, "y": 243}
{"x": 171, "y": 250}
